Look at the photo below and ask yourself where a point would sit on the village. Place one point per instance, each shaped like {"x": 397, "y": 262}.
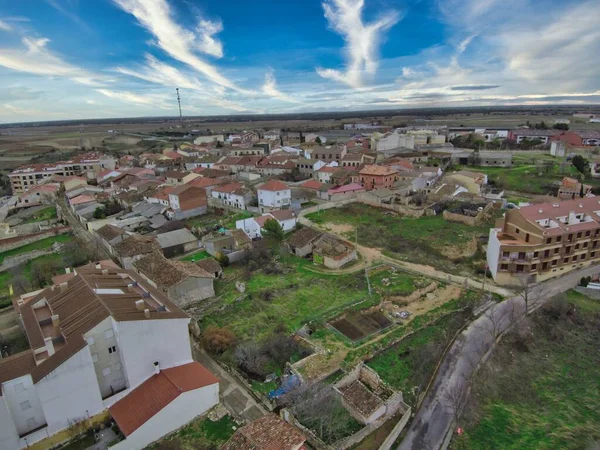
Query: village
{"x": 322, "y": 277}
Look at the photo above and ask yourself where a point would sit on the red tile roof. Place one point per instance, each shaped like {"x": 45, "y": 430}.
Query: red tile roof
{"x": 346, "y": 188}
{"x": 312, "y": 184}
{"x": 148, "y": 399}
{"x": 274, "y": 185}
{"x": 283, "y": 214}
{"x": 267, "y": 433}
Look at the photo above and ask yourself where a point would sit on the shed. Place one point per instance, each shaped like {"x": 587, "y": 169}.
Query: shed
{"x": 177, "y": 242}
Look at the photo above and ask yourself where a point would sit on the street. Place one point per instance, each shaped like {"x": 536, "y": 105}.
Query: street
{"x": 434, "y": 419}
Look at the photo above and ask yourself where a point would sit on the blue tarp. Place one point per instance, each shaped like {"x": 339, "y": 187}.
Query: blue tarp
{"x": 287, "y": 385}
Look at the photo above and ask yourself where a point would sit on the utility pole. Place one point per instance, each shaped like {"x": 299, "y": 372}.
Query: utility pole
{"x": 179, "y": 103}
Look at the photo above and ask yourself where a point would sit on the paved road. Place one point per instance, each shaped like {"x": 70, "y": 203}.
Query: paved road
{"x": 435, "y": 417}
{"x": 234, "y": 396}
{"x": 81, "y": 232}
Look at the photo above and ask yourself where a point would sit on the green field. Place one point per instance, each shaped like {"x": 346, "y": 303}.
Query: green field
{"x": 211, "y": 220}
{"x": 48, "y": 213}
{"x": 196, "y": 256}
{"x": 399, "y": 282}
{"x": 293, "y": 297}
{"x": 408, "y": 365}
{"x": 201, "y": 433}
{"x": 42, "y": 244}
{"x": 540, "y": 390}
{"x": 420, "y": 240}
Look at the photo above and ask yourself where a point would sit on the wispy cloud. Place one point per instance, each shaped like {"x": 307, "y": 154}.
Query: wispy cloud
{"x": 36, "y": 58}
{"x": 160, "y": 73}
{"x": 270, "y": 88}
{"x": 178, "y": 42}
{"x": 65, "y": 11}
{"x": 475, "y": 87}
{"x": 207, "y": 43}
{"x": 362, "y": 39}
{"x": 155, "y": 100}
{"x": 4, "y": 26}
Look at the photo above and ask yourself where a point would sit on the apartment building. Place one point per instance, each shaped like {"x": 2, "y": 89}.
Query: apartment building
{"x": 88, "y": 164}
{"x": 98, "y": 336}
{"x": 377, "y": 177}
{"x": 545, "y": 240}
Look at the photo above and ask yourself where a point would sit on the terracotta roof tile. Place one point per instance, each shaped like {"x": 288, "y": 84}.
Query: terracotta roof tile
{"x": 377, "y": 170}
{"x": 166, "y": 273}
{"x": 274, "y": 185}
{"x": 267, "y": 433}
{"x": 16, "y": 366}
{"x": 145, "y": 401}
{"x": 303, "y": 237}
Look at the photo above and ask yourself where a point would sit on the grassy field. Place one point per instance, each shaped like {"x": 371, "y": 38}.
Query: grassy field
{"x": 201, "y": 433}
{"x": 540, "y": 390}
{"x": 398, "y": 282}
{"x": 408, "y": 365}
{"x": 293, "y": 297}
{"x": 196, "y": 256}
{"x": 5, "y": 277}
{"x": 41, "y": 215}
{"x": 42, "y": 244}
{"x": 423, "y": 240}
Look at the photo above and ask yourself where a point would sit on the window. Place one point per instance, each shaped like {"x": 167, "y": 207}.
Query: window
{"x": 112, "y": 349}
{"x": 517, "y": 230}
{"x": 90, "y": 340}
{"x": 583, "y": 256}
{"x": 548, "y": 241}
{"x": 106, "y": 371}
{"x": 19, "y": 387}
{"x": 95, "y": 357}
{"x": 109, "y": 333}
{"x": 577, "y": 247}
{"x": 578, "y": 235}
{"x": 527, "y": 237}
{"x": 570, "y": 237}
{"x": 587, "y": 233}
{"x": 116, "y": 366}
{"x": 585, "y": 244}
{"x": 558, "y": 238}
{"x": 25, "y": 405}
{"x": 566, "y": 260}
{"x": 556, "y": 250}
{"x": 533, "y": 266}
{"x": 574, "y": 258}
{"x": 554, "y": 262}
{"x": 31, "y": 423}
{"x": 592, "y": 255}
{"x": 546, "y": 253}
{"x": 535, "y": 254}
{"x": 505, "y": 254}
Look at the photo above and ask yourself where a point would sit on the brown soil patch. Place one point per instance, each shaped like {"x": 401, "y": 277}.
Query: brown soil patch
{"x": 454, "y": 252}
{"x": 338, "y": 228}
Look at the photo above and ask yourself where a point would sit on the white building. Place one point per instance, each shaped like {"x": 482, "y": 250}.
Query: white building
{"x": 557, "y": 148}
{"x": 391, "y": 140}
{"x": 272, "y": 135}
{"x": 254, "y": 225}
{"x": 99, "y": 336}
{"x": 234, "y": 195}
{"x": 274, "y": 194}
{"x": 209, "y": 139}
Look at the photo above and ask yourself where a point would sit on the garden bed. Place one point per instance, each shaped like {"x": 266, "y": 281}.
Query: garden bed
{"x": 356, "y": 326}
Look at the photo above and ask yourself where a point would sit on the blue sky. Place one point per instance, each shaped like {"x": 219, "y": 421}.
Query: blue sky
{"x": 72, "y": 59}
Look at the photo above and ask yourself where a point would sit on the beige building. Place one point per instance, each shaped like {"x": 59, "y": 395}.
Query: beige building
{"x": 542, "y": 241}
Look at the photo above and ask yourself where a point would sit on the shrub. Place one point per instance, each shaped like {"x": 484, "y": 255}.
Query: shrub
{"x": 218, "y": 340}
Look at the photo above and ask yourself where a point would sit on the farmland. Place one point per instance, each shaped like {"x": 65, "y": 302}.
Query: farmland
{"x": 539, "y": 390}
{"x": 427, "y": 240}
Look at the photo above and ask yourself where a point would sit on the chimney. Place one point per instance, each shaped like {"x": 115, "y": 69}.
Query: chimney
{"x": 147, "y": 313}
{"x": 98, "y": 266}
{"x": 49, "y": 346}
{"x": 55, "y": 320}
{"x": 105, "y": 272}
{"x": 68, "y": 270}
{"x": 156, "y": 368}
{"x": 140, "y": 304}
{"x": 63, "y": 286}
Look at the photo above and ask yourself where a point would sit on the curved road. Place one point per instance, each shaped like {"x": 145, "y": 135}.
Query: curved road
{"x": 435, "y": 417}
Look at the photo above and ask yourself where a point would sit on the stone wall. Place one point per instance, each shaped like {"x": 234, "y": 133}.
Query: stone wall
{"x": 389, "y": 441}
{"x": 371, "y": 200}
{"x": 19, "y": 241}
{"x": 469, "y": 220}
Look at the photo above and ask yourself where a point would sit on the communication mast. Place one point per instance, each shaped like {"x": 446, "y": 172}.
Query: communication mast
{"x": 179, "y": 103}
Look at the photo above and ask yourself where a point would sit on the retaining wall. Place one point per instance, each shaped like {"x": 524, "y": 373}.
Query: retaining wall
{"x": 19, "y": 241}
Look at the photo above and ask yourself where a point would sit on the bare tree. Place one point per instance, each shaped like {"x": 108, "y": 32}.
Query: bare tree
{"x": 528, "y": 291}
{"x": 493, "y": 320}
{"x": 455, "y": 398}
{"x": 77, "y": 427}
{"x": 319, "y": 408}
{"x": 252, "y": 358}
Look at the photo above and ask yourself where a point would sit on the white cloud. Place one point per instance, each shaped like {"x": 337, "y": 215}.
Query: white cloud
{"x": 37, "y": 59}
{"x": 270, "y": 88}
{"x": 156, "y": 100}
{"x": 5, "y": 26}
{"x": 362, "y": 39}
{"x": 91, "y": 102}
{"x": 207, "y": 43}
{"x": 178, "y": 42}
{"x": 160, "y": 73}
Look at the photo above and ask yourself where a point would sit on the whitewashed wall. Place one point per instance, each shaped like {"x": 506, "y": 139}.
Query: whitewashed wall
{"x": 15, "y": 393}
{"x": 9, "y": 438}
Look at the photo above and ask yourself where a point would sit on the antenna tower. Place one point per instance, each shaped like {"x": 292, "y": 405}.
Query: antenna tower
{"x": 179, "y": 103}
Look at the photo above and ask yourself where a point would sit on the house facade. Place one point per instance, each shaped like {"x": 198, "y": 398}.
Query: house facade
{"x": 78, "y": 368}
{"x": 254, "y": 225}
{"x": 378, "y": 177}
{"x": 545, "y": 240}
{"x": 234, "y": 195}
{"x": 274, "y": 194}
